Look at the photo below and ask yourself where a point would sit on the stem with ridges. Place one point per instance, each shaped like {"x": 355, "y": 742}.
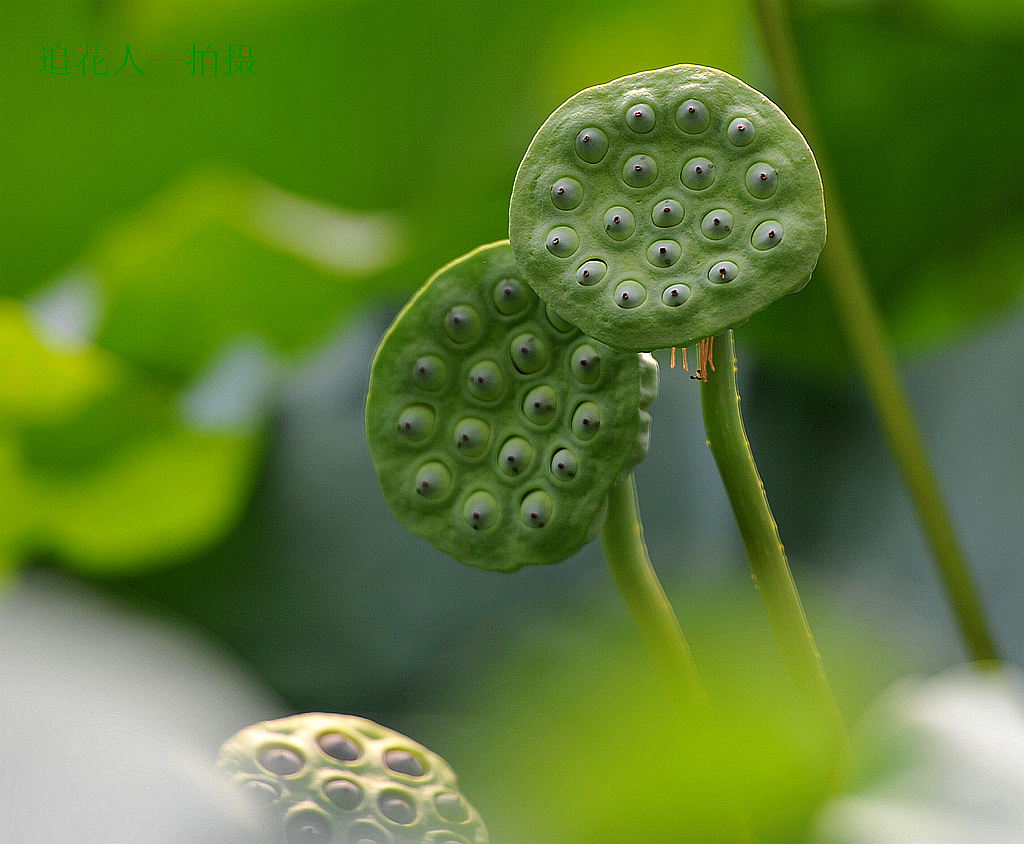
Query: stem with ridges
{"x": 859, "y": 317}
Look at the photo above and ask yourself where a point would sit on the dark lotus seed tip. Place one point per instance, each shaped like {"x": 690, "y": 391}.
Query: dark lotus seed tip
{"x": 675, "y": 295}
{"x": 698, "y": 174}
{"x": 339, "y": 746}
{"x": 405, "y": 762}
{"x": 529, "y": 353}
{"x": 619, "y": 223}
{"x": 397, "y": 808}
{"x": 263, "y": 793}
{"x": 539, "y": 404}
{"x": 667, "y": 213}
{"x": 767, "y": 235}
{"x": 716, "y": 224}
{"x": 471, "y": 436}
{"x": 416, "y": 422}
{"x": 562, "y": 241}
{"x": 451, "y": 807}
{"x": 344, "y": 794}
{"x": 692, "y": 117}
{"x": 566, "y": 194}
{"x": 486, "y": 381}
{"x": 722, "y": 272}
{"x": 515, "y": 456}
{"x": 430, "y": 372}
{"x": 511, "y": 296}
{"x": 433, "y": 480}
{"x": 480, "y": 510}
{"x": 762, "y": 180}
{"x": 586, "y": 364}
{"x": 663, "y": 253}
{"x": 591, "y": 144}
{"x": 591, "y": 272}
{"x": 536, "y": 508}
{"x": 564, "y": 464}
{"x": 281, "y": 761}
{"x": 630, "y": 294}
{"x": 741, "y": 131}
{"x": 640, "y": 118}
{"x": 307, "y": 826}
{"x": 462, "y": 323}
{"x": 640, "y": 171}
{"x": 586, "y": 420}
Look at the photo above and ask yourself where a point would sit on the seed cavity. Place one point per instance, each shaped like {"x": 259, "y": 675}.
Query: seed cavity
{"x": 716, "y": 224}
{"x": 433, "y": 480}
{"x": 692, "y": 117}
{"x": 515, "y": 456}
{"x": 511, "y": 296}
{"x": 396, "y": 807}
{"x": 640, "y": 118}
{"x": 562, "y": 326}
{"x": 344, "y": 794}
{"x": 486, "y": 381}
{"x": 451, "y": 807}
{"x": 762, "y": 180}
{"x": 564, "y": 464}
{"x": 416, "y": 422}
{"x": 480, "y": 510}
{"x": 767, "y": 235}
{"x": 339, "y": 746}
{"x": 536, "y": 508}
{"x": 529, "y": 353}
{"x": 619, "y": 222}
{"x": 429, "y": 372}
{"x": 307, "y": 826}
{"x": 471, "y": 436}
{"x": 591, "y": 272}
{"x": 566, "y": 193}
{"x": 741, "y": 131}
{"x": 562, "y": 241}
{"x": 639, "y": 171}
{"x": 539, "y": 404}
{"x": 663, "y": 253}
{"x": 667, "y": 213}
{"x": 586, "y": 364}
{"x": 462, "y": 323}
{"x": 723, "y": 272}
{"x": 698, "y": 174}
{"x": 586, "y": 420}
{"x": 630, "y": 294}
{"x": 591, "y": 144}
{"x": 675, "y": 295}
{"x": 405, "y": 762}
{"x": 261, "y": 792}
{"x": 282, "y": 761}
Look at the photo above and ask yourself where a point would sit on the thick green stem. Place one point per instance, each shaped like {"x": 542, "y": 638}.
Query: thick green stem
{"x": 862, "y": 325}
{"x": 727, "y": 439}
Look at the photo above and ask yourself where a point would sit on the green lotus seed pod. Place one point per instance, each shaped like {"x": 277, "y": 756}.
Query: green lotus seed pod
{"x": 462, "y": 481}
{"x": 343, "y": 779}
{"x": 715, "y": 149}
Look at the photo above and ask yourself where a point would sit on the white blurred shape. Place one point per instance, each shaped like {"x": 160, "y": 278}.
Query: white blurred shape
{"x": 236, "y": 389}
{"x": 67, "y": 312}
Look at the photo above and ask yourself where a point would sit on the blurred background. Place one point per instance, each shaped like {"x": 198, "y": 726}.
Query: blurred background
{"x": 212, "y": 211}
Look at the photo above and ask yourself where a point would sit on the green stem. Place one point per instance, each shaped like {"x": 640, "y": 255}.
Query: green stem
{"x": 872, "y": 351}
{"x": 727, "y": 439}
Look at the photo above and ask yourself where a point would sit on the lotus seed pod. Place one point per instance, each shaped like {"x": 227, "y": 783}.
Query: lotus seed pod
{"x": 345, "y": 780}
{"x": 709, "y": 167}
{"x": 475, "y": 475}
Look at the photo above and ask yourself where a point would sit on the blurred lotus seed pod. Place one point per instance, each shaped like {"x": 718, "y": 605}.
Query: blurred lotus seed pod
{"x": 666, "y": 206}
{"x": 342, "y": 779}
{"x": 495, "y": 426}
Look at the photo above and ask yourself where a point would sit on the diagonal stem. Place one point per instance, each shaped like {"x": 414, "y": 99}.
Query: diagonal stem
{"x": 872, "y": 351}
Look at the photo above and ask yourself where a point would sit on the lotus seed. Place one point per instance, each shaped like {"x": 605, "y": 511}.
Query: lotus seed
{"x": 405, "y": 762}
{"x": 529, "y": 354}
{"x": 698, "y": 174}
{"x": 536, "y": 508}
{"x": 515, "y": 456}
{"x": 471, "y": 436}
{"x": 640, "y": 118}
{"x": 667, "y": 213}
{"x": 281, "y": 761}
{"x": 395, "y": 807}
{"x": 539, "y": 404}
{"x": 480, "y": 510}
{"x": 591, "y": 272}
{"x": 619, "y": 222}
{"x": 591, "y": 144}
{"x": 486, "y": 381}
{"x": 307, "y": 826}
{"x": 451, "y": 807}
{"x": 416, "y": 422}
{"x": 433, "y": 479}
{"x": 630, "y": 294}
{"x": 675, "y": 295}
{"x": 762, "y": 180}
{"x": 562, "y": 241}
{"x": 430, "y": 372}
{"x": 741, "y": 131}
{"x": 723, "y": 272}
{"x": 663, "y": 253}
{"x": 367, "y": 832}
{"x": 716, "y": 224}
{"x": 586, "y": 364}
{"x": 560, "y": 325}
{"x": 462, "y": 323}
{"x": 639, "y": 171}
{"x": 344, "y": 794}
{"x": 262, "y": 792}
{"x": 692, "y": 117}
{"x": 767, "y": 235}
{"x": 563, "y": 464}
{"x": 511, "y": 296}
{"x": 566, "y": 193}
{"x": 339, "y": 746}
{"x": 586, "y": 420}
